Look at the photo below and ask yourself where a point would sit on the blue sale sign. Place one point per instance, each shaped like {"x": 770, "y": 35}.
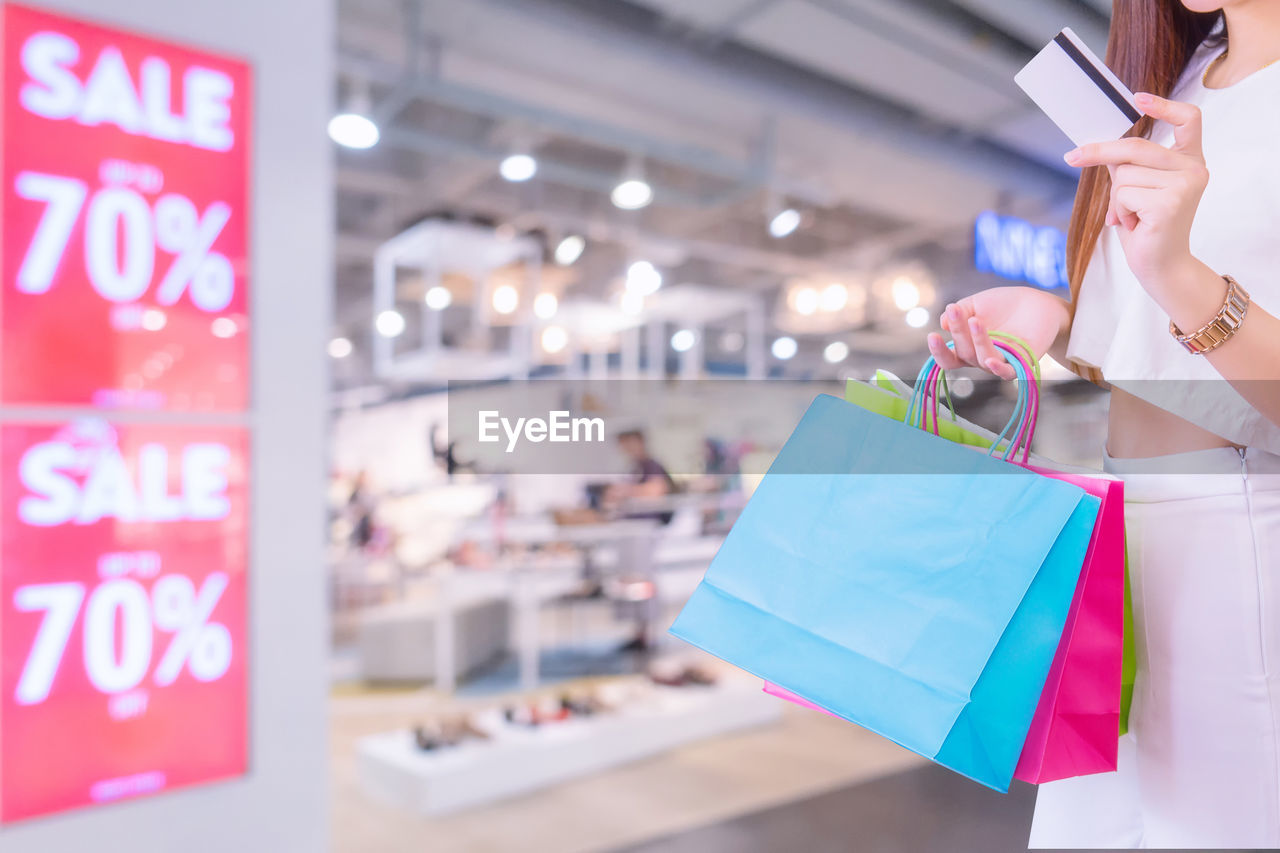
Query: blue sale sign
{"x": 1015, "y": 249}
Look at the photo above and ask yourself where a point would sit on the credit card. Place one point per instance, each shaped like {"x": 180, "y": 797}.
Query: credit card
{"x": 1075, "y": 89}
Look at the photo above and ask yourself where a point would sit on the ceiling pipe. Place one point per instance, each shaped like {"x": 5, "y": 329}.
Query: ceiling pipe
{"x": 756, "y": 173}
{"x": 738, "y": 257}
{"x": 1102, "y": 7}
{"x": 1038, "y": 23}
{"x": 785, "y": 88}
{"x": 562, "y": 173}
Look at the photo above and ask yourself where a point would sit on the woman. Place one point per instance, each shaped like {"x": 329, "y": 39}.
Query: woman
{"x": 1176, "y": 290}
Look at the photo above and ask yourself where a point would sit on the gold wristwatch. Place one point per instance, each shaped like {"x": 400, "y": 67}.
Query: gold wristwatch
{"x": 1219, "y": 330}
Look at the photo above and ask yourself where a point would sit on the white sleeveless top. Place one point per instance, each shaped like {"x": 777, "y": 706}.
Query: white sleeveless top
{"x": 1121, "y": 331}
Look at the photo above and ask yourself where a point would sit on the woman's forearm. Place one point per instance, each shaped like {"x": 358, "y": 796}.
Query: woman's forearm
{"x": 1250, "y": 359}
{"x": 1058, "y": 350}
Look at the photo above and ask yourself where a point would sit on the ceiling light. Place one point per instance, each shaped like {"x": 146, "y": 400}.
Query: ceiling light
{"x": 438, "y": 298}
{"x": 352, "y": 127}
{"x": 390, "y": 323}
{"x": 633, "y": 191}
{"x": 518, "y": 168}
{"x": 643, "y": 278}
{"x": 632, "y": 194}
{"x": 354, "y": 130}
{"x": 836, "y": 352}
{"x": 340, "y": 348}
{"x": 570, "y": 249}
{"x": 918, "y": 317}
{"x": 806, "y": 301}
{"x": 784, "y": 348}
{"x": 732, "y": 341}
{"x": 505, "y": 299}
{"x": 786, "y": 222}
{"x": 632, "y": 303}
{"x": 554, "y": 339}
{"x": 906, "y": 293}
{"x": 834, "y": 297}
{"x": 223, "y": 327}
{"x": 683, "y": 340}
{"x": 545, "y": 305}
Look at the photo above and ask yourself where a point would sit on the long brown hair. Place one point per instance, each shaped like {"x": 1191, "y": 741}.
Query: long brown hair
{"x": 1150, "y": 44}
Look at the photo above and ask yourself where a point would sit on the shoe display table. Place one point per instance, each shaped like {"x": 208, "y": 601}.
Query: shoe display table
{"x": 519, "y": 760}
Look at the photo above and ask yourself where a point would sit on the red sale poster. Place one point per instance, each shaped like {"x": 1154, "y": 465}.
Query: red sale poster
{"x": 122, "y": 611}
{"x": 124, "y": 203}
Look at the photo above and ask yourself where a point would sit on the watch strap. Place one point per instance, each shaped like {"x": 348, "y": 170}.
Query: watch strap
{"x": 1222, "y": 327}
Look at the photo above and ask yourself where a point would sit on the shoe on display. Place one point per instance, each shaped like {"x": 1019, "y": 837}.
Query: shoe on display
{"x": 635, "y": 645}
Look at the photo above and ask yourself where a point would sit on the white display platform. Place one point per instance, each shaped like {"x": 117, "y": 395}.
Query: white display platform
{"x": 520, "y": 760}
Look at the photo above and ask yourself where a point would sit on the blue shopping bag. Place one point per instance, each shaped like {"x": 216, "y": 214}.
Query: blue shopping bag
{"x": 906, "y": 583}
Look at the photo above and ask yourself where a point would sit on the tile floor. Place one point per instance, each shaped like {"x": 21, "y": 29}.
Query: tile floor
{"x": 922, "y": 810}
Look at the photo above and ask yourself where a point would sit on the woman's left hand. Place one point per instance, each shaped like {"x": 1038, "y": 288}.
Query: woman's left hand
{"x": 1154, "y": 192}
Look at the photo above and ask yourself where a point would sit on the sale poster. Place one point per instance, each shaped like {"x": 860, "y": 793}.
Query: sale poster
{"x": 124, "y": 204}
{"x": 124, "y": 269}
{"x": 122, "y": 611}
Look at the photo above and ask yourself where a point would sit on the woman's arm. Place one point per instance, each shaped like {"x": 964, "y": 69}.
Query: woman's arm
{"x": 1154, "y": 196}
{"x": 1041, "y": 319}
{"x": 1250, "y": 359}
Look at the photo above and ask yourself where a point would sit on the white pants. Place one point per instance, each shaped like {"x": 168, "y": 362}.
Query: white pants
{"x": 1200, "y": 767}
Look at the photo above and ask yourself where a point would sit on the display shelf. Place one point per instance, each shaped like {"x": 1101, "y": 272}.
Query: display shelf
{"x": 521, "y": 760}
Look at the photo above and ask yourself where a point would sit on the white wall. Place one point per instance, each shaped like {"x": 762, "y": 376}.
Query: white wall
{"x": 282, "y": 805}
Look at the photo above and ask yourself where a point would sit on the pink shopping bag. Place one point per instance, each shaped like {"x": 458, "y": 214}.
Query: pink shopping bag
{"x": 1076, "y": 727}
{"x": 1075, "y": 730}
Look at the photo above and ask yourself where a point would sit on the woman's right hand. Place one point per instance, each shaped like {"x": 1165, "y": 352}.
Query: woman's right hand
{"x": 1035, "y": 316}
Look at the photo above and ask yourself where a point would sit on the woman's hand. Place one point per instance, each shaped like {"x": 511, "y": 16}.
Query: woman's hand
{"x": 1035, "y": 316}
{"x": 1154, "y": 193}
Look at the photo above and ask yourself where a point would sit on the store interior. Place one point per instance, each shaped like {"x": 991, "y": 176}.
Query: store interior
{"x": 678, "y": 221}
{"x": 740, "y": 203}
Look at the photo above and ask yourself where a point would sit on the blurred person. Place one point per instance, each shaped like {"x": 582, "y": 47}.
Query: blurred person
{"x": 360, "y": 507}
{"x": 649, "y": 479}
{"x": 443, "y": 452}
{"x": 1162, "y": 220}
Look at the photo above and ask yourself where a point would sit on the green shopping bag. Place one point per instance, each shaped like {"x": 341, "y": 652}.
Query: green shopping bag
{"x": 1129, "y": 662}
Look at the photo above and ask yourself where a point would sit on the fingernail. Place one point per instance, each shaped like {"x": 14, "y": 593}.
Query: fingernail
{"x": 1072, "y": 157}
{"x": 1144, "y": 99}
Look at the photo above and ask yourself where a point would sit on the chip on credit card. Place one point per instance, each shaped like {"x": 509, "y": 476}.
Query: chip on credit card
{"x": 1078, "y": 91}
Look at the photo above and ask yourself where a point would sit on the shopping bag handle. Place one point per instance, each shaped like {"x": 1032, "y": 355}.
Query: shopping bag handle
{"x": 1025, "y": 411}
{"x": 916, "y": 410}
{"x": 1028, "y": 357}
{"x": 1028, "y": 402}
{"x": 1023, "y": 347}
{"x": 1028, "y": 431}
